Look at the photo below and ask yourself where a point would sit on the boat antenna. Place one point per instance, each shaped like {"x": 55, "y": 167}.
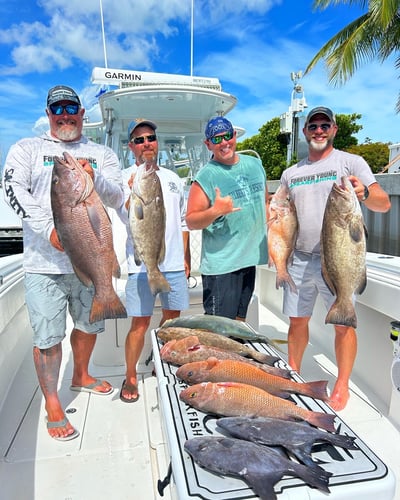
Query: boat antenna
{"x": 103, "y": 35}
{"x": 191, "y": 40}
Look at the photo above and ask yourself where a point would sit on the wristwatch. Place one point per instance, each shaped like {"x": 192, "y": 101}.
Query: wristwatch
{"x": 366, "y": 193}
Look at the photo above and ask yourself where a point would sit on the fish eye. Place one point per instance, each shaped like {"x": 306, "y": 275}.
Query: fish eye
{"x": 193, "y": 394}
{"x": 190, "y": 373}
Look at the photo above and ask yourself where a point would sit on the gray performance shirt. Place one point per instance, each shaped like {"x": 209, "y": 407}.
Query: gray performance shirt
{"x": 310, "y": 183}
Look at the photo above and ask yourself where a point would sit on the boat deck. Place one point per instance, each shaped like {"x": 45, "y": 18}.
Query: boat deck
{"x": 121, "y": 451}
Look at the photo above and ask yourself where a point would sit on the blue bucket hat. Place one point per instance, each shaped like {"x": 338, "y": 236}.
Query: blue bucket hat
{"x": 217, "y": 125}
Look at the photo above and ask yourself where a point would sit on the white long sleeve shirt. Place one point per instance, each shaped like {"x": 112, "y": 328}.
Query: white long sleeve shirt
{"x": 27, "y": 183}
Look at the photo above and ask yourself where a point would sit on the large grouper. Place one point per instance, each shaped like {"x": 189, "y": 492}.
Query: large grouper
{"x": 260, "y": 466}
{"x": 343, "y": 252}
{"x": 84, "y": 230}
{"x": 147, "y": 221}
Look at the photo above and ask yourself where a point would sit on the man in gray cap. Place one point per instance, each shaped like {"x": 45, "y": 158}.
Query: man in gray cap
{"x": 309, "y": 183}
{"x": 51, "y": 285}
{"x": 173, "y": 295}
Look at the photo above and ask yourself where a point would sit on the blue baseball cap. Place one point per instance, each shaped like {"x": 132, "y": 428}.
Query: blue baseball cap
{"x": 217, "y": 125}
{"x": 140, "y": 122}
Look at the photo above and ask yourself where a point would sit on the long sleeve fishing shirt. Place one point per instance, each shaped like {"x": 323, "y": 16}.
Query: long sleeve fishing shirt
{"x": 26, "y": 186}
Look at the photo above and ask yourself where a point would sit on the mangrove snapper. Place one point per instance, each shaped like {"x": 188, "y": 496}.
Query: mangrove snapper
{"x": 84, "y": 230}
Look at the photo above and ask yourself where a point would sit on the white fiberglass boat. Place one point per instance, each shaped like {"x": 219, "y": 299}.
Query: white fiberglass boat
{"x": 135, "y": 451}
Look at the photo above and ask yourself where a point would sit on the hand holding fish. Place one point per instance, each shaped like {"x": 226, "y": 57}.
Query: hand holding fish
{"x": 87, "y": 167}
{"x": 54, "y": 240}
{"x": 223, "y": 205}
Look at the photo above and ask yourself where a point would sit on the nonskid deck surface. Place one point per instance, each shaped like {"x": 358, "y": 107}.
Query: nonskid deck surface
{"x": 122, "y": 451}
{"x": 117, "y": 454}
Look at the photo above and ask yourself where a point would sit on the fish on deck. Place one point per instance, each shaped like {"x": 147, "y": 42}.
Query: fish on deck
{"x": 227, "y": 370}
{"x": 296, "y": 437}
{"x": 224, "y": 326}
{"x": 189, "y": 349}
{"x": 84, "y": 230}
{"x": 260, "y": 467}
{"x": 206, "y": 337}
{"x": 234, "y": 399}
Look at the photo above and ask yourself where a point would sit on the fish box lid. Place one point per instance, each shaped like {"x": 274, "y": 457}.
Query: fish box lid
{"x": 358, "y": 473}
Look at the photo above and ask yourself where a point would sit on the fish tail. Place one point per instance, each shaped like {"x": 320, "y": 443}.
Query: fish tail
{"x": 158, "y": 283}
{"x": 314, "y": 476}
{"x": 342, "y": 314}
{"x": 343, "y": 441}
{"x": 317, "y": 390}
{"x": 323, "y": 420}
{"x": 107, "y": 310}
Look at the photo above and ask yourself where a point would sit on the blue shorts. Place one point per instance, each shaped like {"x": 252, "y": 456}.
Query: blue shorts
{"x": 48, "y": 297}
{"x": 140, "y": 301}
{"x": 229, "y": 294}
{"x": 306, "y": 273}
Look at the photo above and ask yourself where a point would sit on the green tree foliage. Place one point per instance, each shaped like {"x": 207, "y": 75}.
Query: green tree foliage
{"x": 347, "y": 127}
{"x": 271, "y": 145}
{"x": 376, "y": 154}
{"x": 374, "y": 35}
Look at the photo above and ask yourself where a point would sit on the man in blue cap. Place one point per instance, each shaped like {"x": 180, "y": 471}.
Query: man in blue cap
{"x": 227, "y": 200}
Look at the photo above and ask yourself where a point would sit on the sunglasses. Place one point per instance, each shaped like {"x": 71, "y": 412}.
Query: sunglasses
{"x": 58, "y": 109}
{"x": 324, "y": 127}
{"x": 218, "y": 138}
{"x": 142, "y": 138}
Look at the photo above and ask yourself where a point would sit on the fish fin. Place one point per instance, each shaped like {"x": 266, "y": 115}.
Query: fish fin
{"x": 356, "y": 230}
{"x": 84, "y": 278}
{"x": 161, "y": 256}
{"x": 342, "y": 314}
{"x": 262, "y": 358}
{"x": 107, "y": 310}
{"x": 317, "y": 389}
{"x": 313, "y": 476}
{"x": 263, "y": 484}
{"x": 212, "y": 362}
{"x": 157, "y": 282}
{"x": 94, "y": 218}
{"x": 116, "y": 270}
{"x": 138, "y": 209}
{"x": 322, "y": 420}
{"x": 362, "y": 285}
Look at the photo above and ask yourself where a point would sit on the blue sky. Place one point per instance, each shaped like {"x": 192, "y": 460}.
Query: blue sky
{"x": 252, "y": 46}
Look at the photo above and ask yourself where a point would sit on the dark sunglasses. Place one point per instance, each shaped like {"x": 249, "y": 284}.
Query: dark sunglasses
{"x": 142, "y": 138}
{"x": 324, "y": 127}
{"x": 58, "y": 109}
{"x": 218, "y": 138}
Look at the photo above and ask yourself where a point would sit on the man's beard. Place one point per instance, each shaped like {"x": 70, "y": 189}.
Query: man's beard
{"x": 320, "y": 146}
{"x": 67, "y": 134}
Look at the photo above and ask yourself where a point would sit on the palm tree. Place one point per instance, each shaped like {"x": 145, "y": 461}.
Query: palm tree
{"x": 374, "y": 35}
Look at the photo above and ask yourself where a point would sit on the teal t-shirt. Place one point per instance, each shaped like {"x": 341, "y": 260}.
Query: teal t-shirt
{"x": 236, "y": 240}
